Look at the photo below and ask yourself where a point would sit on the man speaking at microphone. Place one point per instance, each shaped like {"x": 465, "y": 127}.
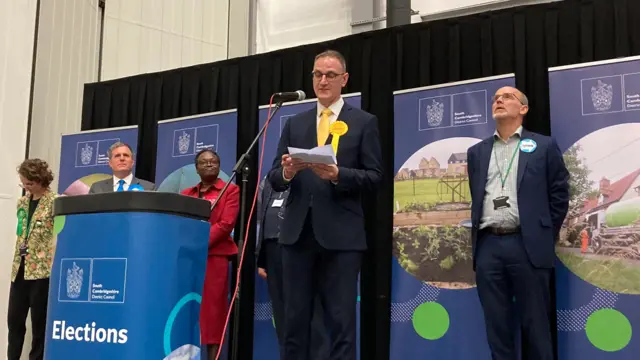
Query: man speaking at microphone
{"x": 322, "y": 235}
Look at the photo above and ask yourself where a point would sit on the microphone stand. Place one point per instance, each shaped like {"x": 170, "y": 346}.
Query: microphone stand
{"x": 243, "y": 168}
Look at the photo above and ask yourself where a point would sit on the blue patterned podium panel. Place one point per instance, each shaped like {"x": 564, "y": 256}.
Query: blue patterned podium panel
{"x": 126, "y": 285}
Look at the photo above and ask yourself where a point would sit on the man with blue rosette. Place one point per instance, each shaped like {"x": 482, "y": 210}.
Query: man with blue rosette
{"x": 121, "y": 162}
{"x": 520, "y": 197}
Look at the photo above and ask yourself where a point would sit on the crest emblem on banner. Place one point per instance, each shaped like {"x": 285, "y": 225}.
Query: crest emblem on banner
{"x": 86, "y": 153}
{"x": 74, "y": 281}
{"x": 435, "y": 113}
{"x": 602, "y": 96}
{"x": 184, "y": 141}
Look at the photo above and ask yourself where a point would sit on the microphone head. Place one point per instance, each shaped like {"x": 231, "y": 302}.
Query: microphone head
{"x": 291, "y": 96}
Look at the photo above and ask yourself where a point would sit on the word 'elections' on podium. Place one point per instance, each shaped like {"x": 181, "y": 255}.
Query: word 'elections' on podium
{"x": 88, "y": 333}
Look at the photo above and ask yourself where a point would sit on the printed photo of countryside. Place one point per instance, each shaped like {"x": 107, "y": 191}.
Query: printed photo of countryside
{"x": 432, "y": 211}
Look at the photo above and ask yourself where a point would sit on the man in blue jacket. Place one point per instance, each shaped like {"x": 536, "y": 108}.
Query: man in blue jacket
{"x": 271, "y": 207}
{"x": 520, "y": 197}
{"x": 322, "y": 235}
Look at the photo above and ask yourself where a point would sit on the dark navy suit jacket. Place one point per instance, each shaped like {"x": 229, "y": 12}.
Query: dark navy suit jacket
{"x": 543, "y": 195}
{"x": 337, "y": 217}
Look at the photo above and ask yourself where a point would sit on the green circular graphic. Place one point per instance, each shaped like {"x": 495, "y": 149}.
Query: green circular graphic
{"x": 608, "y": 330}
{"x": 58, "y": 224}
{"x": 431, "y": 320}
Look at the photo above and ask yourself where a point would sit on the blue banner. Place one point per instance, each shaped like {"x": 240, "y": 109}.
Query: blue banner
{"x": 106, "y": 300}
{"x": 435, "y": 310}
{"x": 179, "y": 140}
{"x": 84, "y": 159}
{"x": 265, "y": 346}
{"x": 595, "y": 117}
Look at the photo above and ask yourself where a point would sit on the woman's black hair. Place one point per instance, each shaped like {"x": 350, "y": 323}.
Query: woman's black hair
{"x": 204, "y": 151}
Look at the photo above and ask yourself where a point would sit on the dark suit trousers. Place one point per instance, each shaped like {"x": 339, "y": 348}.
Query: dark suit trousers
{"x": 311, "y": 270}
{"x": 25, "y": 294}
{"x": 503, "y": 270}
{"x": 319, "y": 342}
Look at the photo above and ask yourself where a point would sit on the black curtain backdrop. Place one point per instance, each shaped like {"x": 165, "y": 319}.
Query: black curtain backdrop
{"x": 524, "y": 40}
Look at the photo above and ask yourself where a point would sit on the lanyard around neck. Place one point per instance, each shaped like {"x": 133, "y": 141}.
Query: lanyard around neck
{"x": 503, "y": 180}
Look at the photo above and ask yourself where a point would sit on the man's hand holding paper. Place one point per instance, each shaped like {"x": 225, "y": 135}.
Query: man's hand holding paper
{"x": 291, "y": 166}
{"x": 321, "y": 160}
{"x": 325, "y": 172}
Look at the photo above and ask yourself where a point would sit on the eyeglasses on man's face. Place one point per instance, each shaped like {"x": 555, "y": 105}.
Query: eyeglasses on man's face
{"x": 505, "y": 97}
{"x": 317, "y": 75}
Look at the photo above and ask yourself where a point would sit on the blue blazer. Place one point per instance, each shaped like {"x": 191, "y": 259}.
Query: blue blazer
{"x": 543, "y": 195}
{"x": 337, "y": 217}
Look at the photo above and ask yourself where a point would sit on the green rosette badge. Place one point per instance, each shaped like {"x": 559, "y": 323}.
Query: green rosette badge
{"x": 21, "y": 216}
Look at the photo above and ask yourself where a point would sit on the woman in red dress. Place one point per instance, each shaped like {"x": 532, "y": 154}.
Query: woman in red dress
{"x": 215, "y": 303}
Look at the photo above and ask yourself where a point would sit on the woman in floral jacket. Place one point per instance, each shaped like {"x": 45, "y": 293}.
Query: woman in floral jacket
{"x": 32, "y": 259}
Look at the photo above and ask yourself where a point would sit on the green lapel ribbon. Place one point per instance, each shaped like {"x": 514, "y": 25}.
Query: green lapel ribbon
{"x": 21, "y": 216}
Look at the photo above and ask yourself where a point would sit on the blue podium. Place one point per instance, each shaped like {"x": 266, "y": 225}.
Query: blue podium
{"x": 127, "y": 276}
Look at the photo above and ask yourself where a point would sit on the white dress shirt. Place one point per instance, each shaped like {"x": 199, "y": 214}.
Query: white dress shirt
{"x": 336, "y": 107}
{"x": 125, "y": 186}
{"x": 501, "y": 154}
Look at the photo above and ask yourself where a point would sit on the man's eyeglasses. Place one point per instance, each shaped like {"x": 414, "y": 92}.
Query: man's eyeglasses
{"x": 317, "y": 75}
{"x": 506, "y": 96}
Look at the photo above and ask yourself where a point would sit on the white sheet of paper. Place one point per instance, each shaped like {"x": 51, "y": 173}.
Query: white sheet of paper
{"x": 317, "y": 155}
{"x": 277, "y": 202}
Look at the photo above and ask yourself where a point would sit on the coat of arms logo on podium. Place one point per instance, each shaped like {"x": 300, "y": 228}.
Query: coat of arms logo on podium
{"x": 602, "y": 96}
{"x": 86, "y": 153}
{"x": 184, "y": 141}
{"x": 435, "y": 113}
{"x": 74, "y": 281}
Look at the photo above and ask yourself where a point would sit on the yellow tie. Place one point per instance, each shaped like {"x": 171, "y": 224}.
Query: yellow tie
{"x": 323, "y": 127}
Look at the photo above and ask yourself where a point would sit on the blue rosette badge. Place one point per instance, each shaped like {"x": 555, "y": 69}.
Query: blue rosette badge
{"x": 136, "y": 187}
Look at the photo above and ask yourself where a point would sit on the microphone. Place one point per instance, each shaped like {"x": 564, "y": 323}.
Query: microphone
{"x": 290, "y": 96}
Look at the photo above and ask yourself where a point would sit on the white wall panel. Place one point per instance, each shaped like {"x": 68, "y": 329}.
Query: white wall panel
{"x": 440, "y": 6}
{"x": 288, "y": 23}
{"x": 17, "y": 24}
{"x": 66, "y": 59}
{"x": 142, "y": 36}
{"x": 152, "y": 14}
{"x": 150, "y": 39}
{"x": 220, "y": 28}
{"x": 439, "y": 9}
{"x": 129, "y": 49}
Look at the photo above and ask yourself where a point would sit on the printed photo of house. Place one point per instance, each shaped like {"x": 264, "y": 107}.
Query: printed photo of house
{"x": 430, "y": 169}
{"x": 608, "y": 194}
{"x": 600, "y": 238}
{"x": 457, "y": 165}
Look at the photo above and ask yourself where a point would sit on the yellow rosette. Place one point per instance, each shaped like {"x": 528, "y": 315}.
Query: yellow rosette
{"x": 337, "y": 129}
